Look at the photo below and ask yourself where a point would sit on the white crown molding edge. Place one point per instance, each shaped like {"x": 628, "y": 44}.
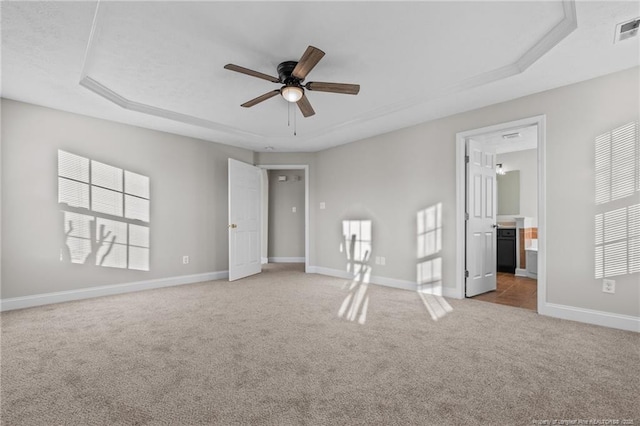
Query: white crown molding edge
{"x": 567, "y": 25}
{"x": 378, "y": 280}
{"x": 105, "y": 92}
{"x": 552, "y": 38}
{"x": 107, "y": 290}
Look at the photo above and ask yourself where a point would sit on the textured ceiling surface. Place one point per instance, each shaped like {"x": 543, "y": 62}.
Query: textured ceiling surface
{"x": 160, "y": 64}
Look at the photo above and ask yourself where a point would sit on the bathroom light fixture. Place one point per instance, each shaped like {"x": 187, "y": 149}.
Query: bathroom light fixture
{"x": 500, "y": 170}
{"x": 292, "y": 93}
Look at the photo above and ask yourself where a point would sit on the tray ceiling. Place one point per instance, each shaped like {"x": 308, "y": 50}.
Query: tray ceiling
{"x": 160, "y": 64}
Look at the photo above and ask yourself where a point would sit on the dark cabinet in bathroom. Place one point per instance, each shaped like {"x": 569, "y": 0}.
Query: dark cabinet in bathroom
{"x": 506, "y": 247}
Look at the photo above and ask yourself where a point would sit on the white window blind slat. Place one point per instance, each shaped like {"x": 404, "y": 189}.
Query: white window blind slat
{"x": 106, "y": 176}
{"x": 136, "y": 184}
{"x": 617, "y": 179}
{"x": 73, "y": 166}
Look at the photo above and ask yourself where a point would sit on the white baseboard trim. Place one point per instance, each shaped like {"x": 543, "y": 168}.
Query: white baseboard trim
{"x": 286, "y": 260}
{"x": 521, "y": 272}
{"x": 107, "y": 290}
{"x": 589, "y": 316}
{"x": 384, "y": 281}
{"x": 264, "y": 260}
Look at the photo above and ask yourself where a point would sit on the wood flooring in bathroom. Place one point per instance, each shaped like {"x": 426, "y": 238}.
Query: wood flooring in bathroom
{"x": 521, "y": 292}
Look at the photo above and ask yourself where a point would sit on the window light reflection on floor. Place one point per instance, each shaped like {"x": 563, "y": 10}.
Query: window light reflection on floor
{"x": 429, "y": 261}
{"x": 357, "y": 245}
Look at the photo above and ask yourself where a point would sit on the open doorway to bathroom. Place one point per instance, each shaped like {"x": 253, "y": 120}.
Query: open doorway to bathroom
{"x": 516, "y": 242}
{"x": 501, "y": 238}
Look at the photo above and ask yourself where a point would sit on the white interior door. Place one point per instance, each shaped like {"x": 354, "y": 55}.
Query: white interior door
{"x": 481, "y": 222}
{"x": 244, "y": 220}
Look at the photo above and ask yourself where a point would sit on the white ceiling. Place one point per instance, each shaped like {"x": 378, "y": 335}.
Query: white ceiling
{"x": 520, "y": 139}
{"x": 160, "y": 64}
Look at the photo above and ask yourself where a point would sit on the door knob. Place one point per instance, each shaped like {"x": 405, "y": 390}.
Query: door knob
{"x": 494, "y": 225}
{"x": 233, "y": 226}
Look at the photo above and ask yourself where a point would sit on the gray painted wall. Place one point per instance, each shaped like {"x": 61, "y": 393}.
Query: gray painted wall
{"x": 527, "y": 163}
{"x": 286, "y": 228}
{"x": 389, "y": 178}
{"x": 188, "y": 181}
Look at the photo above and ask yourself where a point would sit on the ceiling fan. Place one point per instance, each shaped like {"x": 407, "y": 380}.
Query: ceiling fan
{"x": 291, "y": 74}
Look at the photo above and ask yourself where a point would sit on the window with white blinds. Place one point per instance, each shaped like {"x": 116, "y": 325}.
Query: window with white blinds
{"x": 617, "y": 196}
{"x": 105, "y": 212}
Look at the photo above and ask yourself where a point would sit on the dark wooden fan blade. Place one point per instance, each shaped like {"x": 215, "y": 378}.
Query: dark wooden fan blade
{"x": 305, "y": 107}
{"x": 346, "y": 89}
{"x": 260, "y": 98}
{"x": 309, "y": 59}
{"x": 252, "y": 73}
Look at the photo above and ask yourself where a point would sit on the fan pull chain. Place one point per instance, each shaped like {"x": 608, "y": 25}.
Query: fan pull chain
{"x": 295, "y": 122}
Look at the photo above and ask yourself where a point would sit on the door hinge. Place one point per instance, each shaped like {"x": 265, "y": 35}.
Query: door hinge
{"x": 466, "y": 158}
{"x": 466, "y": 216}
{"x": 466, "y": 274}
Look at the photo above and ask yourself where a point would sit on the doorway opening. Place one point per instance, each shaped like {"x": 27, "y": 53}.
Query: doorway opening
{"x": 285, "y": 214}
{"x": 500, "y": 189}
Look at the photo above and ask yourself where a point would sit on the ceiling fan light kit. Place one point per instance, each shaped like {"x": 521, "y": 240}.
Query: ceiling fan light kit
{"x": 291, "y": 74}
{"x": 292, "y": 93}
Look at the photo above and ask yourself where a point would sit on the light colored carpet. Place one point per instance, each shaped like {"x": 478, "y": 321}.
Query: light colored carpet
{"x": 272, "y": 349}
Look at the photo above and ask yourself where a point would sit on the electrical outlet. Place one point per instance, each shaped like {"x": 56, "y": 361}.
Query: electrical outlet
{"x": 383, "y": 260}
{"x": 608, "y": 286}
{"x": 185, "y": 260}
{"x": 293, "y": 209}
{"x": 322, "y": 205}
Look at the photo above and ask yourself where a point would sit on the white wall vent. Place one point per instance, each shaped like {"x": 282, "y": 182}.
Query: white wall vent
{"x": 626, "y": 30}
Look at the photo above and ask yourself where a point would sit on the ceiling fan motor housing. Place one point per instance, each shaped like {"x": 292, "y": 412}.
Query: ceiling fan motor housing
{"x": 284, "y": 72}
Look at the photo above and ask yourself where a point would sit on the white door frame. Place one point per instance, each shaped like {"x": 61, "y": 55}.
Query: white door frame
{"x": 304, "y": 167}
{"x": 461, "y": 138}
